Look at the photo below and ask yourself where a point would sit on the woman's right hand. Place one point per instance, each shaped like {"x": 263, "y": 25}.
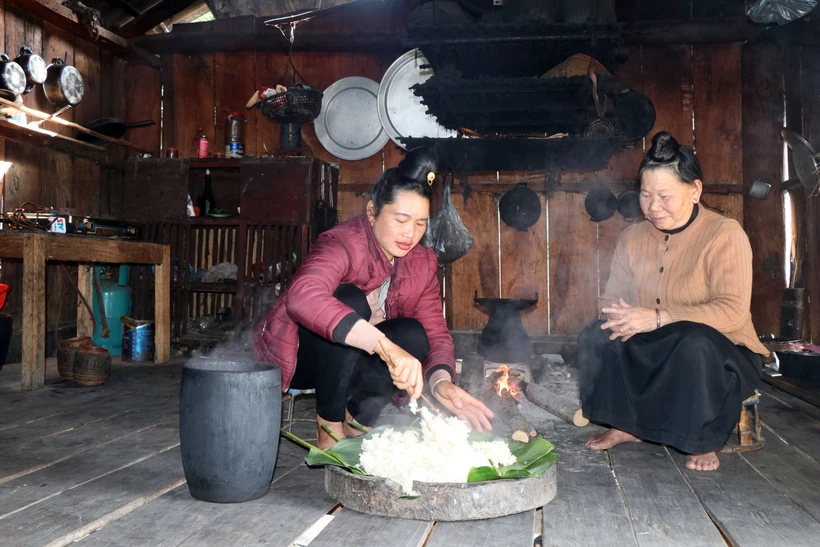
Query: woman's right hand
{"x": 405, "y": 370}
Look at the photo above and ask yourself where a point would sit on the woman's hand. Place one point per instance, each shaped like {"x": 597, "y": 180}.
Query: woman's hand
{"x": 464, "y": 405}
{"x": 405, "y": 370}
{"x": 625, "y": 320}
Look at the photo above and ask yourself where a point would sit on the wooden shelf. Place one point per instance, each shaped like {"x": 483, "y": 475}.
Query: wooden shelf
{"x": 215, "y": 163}
{"x": 212, "y": 287}
{"x": 55, "y": 141}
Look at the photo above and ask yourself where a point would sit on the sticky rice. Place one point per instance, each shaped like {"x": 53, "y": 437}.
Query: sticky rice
{"x": 439, "y": 453}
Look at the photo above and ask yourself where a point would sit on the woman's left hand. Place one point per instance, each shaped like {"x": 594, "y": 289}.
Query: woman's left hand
{"x": 464, "y": 405}
{"x": 625, "y": 320}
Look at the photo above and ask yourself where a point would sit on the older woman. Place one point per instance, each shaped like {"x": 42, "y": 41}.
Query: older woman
{"x": 677, "y": 353}
{"x": 364, "y": 312}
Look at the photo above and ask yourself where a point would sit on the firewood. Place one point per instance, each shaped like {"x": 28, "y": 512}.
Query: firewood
{"x": 554, "y": 403}
{"x": 506, "y": 409}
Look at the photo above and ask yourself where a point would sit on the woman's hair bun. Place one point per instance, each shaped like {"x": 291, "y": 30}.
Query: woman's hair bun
{"x": 664, "y": 147}
{"x": 418, "y": 163}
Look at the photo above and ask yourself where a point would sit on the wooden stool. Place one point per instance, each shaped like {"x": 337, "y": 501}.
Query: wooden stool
{"x": 748, "y": 428}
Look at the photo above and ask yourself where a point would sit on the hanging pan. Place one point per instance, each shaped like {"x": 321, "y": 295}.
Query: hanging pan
{"x": 110, "y": 127}
{"x": 600, "y": 203}
{"x": 520, "y": 208}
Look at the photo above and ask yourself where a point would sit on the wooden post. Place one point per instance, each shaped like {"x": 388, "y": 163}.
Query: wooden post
{"x": 34, "y": 312}
{"x": 85, "y": 324}
{"x": 162, "y": 308}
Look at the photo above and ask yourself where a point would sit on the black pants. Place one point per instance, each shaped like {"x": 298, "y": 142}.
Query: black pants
{"x": 347, "y": 377}
{"x": 681, "y": 385}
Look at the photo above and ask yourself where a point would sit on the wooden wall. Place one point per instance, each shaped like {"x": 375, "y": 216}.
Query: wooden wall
{"x": 53, "y": 179}
{"x": 708, "y": 96}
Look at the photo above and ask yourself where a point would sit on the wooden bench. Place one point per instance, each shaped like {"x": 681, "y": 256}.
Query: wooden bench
{"x": 37, "y": 248}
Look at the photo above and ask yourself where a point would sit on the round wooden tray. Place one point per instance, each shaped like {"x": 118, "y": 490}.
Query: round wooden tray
{"x": 440, "y": 501}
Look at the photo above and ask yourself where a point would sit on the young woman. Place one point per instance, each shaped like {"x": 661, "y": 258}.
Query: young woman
{"x": 362, "y": 320}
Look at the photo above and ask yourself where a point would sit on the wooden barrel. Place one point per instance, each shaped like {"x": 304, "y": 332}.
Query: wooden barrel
{"x": 92, "y": 366}
{"x": 66, "y": 355}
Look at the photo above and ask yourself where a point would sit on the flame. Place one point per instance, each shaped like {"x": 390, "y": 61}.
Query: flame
{"x": 504, "y": 383}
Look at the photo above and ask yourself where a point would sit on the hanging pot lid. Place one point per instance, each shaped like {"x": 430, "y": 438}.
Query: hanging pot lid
{"x": 401, "y": 112}
{"x": 520, "y": 208}
{"x": 348, "y": 125}
{"x": 600, "y": 203}
{"x": 629, "y": 205}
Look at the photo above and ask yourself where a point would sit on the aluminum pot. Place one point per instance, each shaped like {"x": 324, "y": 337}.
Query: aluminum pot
{"x": 33, "y": 66}
{"x": 520, "y": 208}
{"x": 12, "y": 78}
{"x": 64, "y": 84}
{"x": 600, "y": 203}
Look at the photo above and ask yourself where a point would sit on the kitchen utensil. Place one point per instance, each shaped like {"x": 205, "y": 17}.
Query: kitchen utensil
{"x": 64, "y": 84}
{"x": 349, "y": 126}
{"x": 33, "y": 66}
{"x": 760, "y": 188}
{"x": 804, "y": 160}
{"x": 402, "y": 113}
{"x": 600, "y": 203}
{"x": 629, "y": 205}
{"x": 634, "y": 114}
{"x": 110, "y": 127}
{"x": 12, "y": 78}
{"x": 520, "y": 208}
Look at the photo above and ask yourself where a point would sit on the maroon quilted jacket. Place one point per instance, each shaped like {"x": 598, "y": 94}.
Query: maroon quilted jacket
{"x": 350, "y": 254}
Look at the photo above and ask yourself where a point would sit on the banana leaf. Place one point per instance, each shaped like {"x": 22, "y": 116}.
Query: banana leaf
{"x": 532, "y": 459}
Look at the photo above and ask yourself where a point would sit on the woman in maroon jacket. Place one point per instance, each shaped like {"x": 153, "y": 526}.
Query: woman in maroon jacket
{"x": 362, "y": 318}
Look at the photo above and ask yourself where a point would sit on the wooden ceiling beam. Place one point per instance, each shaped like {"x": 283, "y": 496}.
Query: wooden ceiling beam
{"x": 54, "y": 12}
{"x": 153, "y": 17}
{"x": 252, "y": 34}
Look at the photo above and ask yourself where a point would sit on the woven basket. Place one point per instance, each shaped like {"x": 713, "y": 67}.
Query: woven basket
{"x": 293, "y": 106}
{"x": 92, "y": 366}
{"x": 66, "y": 355}
{"x": 578, "y": 64}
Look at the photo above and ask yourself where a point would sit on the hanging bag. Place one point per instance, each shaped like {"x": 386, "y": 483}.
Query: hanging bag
{"x": 451, "y": 238}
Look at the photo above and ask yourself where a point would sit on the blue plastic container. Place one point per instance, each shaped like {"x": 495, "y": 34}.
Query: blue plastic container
{"x": 117, "y": 301}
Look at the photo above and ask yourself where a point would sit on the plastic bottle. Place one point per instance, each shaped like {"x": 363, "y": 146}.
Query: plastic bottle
{"x": 206, "y": 200}
{"x": 234, "y": 135}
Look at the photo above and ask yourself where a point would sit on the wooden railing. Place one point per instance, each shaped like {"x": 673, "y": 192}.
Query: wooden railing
{"x": 266, "y": 255}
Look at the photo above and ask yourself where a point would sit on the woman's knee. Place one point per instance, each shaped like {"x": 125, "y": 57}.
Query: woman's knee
{"x": 409, "y": 334}
{"x": 354, "y": 297}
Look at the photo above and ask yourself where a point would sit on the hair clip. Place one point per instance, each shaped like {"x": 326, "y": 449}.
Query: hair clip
{"x": 431, "y": 176}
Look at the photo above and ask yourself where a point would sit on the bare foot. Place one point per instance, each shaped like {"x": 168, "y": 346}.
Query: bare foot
{"x": 351, "y": 431}
{"x": 702, "y": 462}
{"x": 323, "y": 439}
{"x": 609, "y": 438}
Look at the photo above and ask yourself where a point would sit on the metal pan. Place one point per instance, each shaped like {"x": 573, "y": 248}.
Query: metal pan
{"x": 348, "y": 126}
{"x": 110, "y": 127}
{"x": 402, "y": 113}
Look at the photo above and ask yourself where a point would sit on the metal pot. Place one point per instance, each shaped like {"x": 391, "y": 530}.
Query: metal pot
{"x": 12, "y": 78}
{"x": 629, "y": 205}
{"x": 520, "y": 208}
{"x": 600, "y": 203}
{"x": 63, "y": 85}
{"x": 33, "y": 66}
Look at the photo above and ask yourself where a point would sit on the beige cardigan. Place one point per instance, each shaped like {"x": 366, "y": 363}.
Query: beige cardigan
{"x": 701, "y": 274}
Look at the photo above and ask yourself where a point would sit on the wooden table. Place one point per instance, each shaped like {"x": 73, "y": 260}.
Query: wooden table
{"x": 37, "y": 248}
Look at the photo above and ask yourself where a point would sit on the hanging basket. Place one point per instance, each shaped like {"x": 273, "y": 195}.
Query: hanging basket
{"x": 293, "y": 106}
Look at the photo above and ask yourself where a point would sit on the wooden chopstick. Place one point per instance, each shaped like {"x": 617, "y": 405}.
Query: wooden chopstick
{"x": 391, "y": 364}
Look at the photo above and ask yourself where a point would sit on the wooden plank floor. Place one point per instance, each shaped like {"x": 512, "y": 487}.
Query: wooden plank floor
{"x": 101, "y": 466}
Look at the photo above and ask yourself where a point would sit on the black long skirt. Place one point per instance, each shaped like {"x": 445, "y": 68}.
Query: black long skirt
{"x": 680, "y": 385}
